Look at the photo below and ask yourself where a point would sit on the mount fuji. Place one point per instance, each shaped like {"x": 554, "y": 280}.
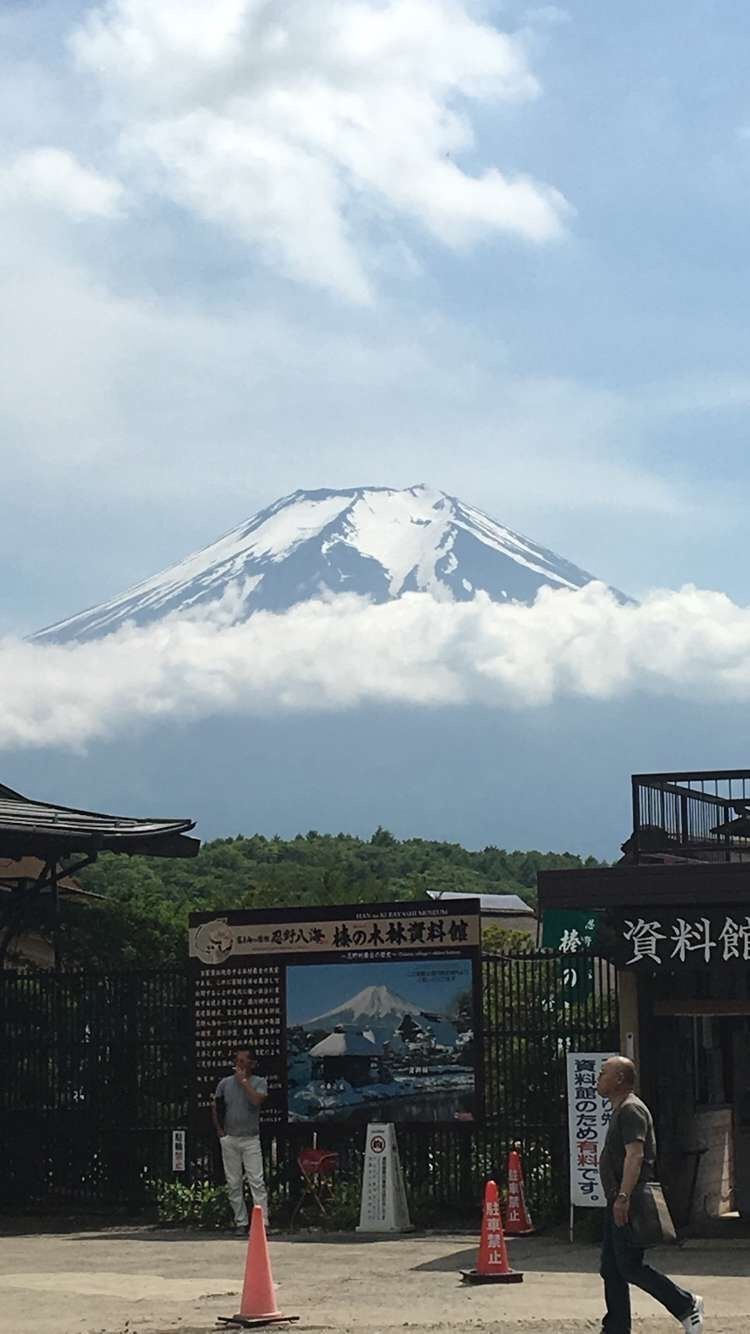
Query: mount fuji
{"x": 373, "y": 541}
{"x": 378, "y": 1010}
{"x": 371, "y": 1005}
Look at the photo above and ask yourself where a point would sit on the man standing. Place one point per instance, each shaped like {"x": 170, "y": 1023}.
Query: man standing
{"x": 235, "y": 1112}
{"x": 627, "y": 1160}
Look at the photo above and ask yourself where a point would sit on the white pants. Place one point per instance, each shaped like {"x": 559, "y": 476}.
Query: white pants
{"x": 240, "y": 1151}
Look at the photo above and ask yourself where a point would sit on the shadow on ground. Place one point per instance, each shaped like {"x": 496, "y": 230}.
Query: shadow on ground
{"x": 544, "y": 1257}
{"x": 97, "y": 1229}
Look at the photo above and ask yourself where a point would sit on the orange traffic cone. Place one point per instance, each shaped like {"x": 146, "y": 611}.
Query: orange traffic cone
{"x": 492, "y": 1261}
{"x": 517, "y": 1218}
{"x": 258, "y": 1305}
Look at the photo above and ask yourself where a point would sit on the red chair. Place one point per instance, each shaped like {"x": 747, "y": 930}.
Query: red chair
{"x": 318, "y": 1169}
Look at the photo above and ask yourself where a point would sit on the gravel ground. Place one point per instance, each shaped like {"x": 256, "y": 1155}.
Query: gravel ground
{"x": 145, "y": 1281}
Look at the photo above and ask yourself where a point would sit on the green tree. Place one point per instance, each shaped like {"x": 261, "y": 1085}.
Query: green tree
{"x": 141, "y": 917}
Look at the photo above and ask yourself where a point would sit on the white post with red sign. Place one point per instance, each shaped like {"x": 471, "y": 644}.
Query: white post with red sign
{"x": 179, "y": 1138}
{"x": 383, "y": 1207}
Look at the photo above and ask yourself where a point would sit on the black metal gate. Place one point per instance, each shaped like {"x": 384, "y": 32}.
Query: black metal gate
{"x": 538, "y": 1007}
{"x": 94, "y": 1076}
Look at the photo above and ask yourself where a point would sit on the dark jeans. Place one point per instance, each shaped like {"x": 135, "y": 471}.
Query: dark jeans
{"x": 622, "y": 1264}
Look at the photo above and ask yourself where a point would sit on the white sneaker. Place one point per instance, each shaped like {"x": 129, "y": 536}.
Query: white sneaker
{"x": 693, "y": 1323}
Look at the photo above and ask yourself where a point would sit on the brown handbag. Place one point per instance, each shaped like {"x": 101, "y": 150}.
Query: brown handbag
{"x": 650, "y": 1219}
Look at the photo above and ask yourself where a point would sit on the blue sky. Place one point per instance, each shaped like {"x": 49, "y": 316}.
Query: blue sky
{"x": 324, "y": 987}
{"x": 499, "y": 248}
{"x": 168, "y": 374}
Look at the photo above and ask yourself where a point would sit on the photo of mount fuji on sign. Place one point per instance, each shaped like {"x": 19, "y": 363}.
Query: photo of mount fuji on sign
{"x": 398, "y": 1049}
{"x": 375, "y": 542}
{"x": 381, "y": 1012}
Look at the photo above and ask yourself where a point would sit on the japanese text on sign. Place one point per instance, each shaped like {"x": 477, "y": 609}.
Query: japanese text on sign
{"x": 215, "y": 942}
{"x": 681, "y": 940}
{"x": 279, "y": 980}
{"x": 573, "y": 940}
{"x": 178, "y": 1151}
{"x": 588, "y": 1118}
{"x": 238, "y": 1007}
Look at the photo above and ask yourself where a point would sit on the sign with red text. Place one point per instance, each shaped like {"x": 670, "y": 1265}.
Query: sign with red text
{"x": 383, "y": 1206}
{"x": 588, "y": 1120}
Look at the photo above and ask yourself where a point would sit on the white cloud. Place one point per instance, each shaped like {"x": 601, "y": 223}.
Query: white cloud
{"x": 346, "y": 652}
{"x": 118, "y": 382}
{"x": 307, "y": 130}
{"x": 155, "y": 355}
{"x": 56, "y": 179}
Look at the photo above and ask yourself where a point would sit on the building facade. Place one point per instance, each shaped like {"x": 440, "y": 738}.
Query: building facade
{"x": 674, "y": 917}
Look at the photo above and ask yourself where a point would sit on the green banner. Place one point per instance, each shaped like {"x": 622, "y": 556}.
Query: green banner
{"x": 573, "y": 931}
{"x": 570, "y": 929}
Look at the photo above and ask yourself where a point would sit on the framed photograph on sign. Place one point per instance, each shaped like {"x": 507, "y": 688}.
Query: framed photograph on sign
{"x": 393, "y": 1040}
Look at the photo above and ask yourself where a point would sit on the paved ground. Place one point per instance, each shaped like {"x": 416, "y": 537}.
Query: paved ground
{"x": 142, "y": 1281}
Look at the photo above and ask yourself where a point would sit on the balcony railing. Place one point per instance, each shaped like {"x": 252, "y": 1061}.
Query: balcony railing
{"x": 701, "y": 816}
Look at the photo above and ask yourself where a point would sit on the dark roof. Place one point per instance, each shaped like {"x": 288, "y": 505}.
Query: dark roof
{"x": 37, "y": 829}
{"x": 341, "y": 1043}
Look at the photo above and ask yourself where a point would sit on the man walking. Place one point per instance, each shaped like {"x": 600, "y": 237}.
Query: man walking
{"x": 627, "y": 1160}
{"x": 235, "y": 1112}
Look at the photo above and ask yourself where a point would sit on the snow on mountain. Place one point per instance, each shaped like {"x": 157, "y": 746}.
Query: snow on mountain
{"x": 373, "y": 541}
{"x": 379, "y": 1011}
{"x": 371, "y": 1005}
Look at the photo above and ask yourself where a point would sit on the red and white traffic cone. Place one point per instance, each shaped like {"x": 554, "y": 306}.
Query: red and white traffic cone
{"x": 517, "y": 1217}
{"x": 492, "y": 1261}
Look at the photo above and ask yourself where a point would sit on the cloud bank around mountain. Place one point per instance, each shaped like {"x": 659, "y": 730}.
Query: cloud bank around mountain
{"x": 345, "y": 652}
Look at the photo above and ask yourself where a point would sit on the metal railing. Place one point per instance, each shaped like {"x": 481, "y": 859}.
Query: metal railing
{"x": 703, "y": 816}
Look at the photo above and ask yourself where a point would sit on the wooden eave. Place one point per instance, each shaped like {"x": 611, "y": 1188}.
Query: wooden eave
{"x": 647, "y": 886}
{"x": 38, "y": 829}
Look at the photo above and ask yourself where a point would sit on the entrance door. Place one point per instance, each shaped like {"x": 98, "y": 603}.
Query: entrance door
{"x": 742, "y": 1115}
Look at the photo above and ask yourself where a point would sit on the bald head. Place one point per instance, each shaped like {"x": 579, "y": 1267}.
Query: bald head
{"x": 617, "y": 1078}
{"x": 624, "y": 1068}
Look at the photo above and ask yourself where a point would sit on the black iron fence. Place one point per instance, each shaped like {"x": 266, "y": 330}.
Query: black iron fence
{"x": 95, "y": 1077}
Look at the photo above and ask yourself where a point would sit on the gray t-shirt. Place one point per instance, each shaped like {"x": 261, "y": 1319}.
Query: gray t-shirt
{"x": 240, "y": 1114}
{"x": 630, "y": 1121}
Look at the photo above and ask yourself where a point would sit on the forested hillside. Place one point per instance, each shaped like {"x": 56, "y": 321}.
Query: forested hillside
{"x": 142, "y": 918}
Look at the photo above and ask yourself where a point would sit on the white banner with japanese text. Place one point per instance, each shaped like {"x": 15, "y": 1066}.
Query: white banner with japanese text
{"x": 588, "y": 1119}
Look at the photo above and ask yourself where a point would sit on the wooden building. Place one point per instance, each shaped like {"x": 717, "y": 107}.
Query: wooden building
{"x": 347, "y": 1055}
{"x": 30, "y": 948}
{"x": 674, "y": 916}
{"x": 43, "y": 846}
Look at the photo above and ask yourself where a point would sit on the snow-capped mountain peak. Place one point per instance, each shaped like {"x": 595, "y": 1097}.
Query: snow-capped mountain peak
{"x": 373, "y": 541}
{"x": 372, "y": 1003}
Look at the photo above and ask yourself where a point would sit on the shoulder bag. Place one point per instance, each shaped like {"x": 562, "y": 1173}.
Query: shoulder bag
{"x": 650, "y": 1219}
